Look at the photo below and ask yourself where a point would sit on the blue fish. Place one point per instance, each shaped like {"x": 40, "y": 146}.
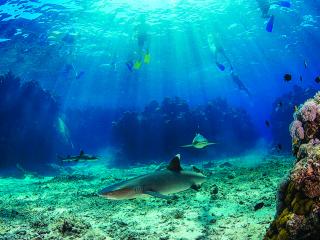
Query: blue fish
{"x": 269, "y": 26}
{"x": 220, "y": 66}
{"x": 286, "y": 4}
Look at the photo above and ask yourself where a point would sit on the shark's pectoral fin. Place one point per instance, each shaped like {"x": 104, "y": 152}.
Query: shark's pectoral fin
{"x": 157, "y": 195}
{"x": 186, "y": 146}
{"x": 211, "y": 143}
{"x": 195, "y": 187}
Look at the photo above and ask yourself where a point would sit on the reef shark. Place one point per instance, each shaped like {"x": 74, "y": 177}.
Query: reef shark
{"x": 199, "y": 142}
{"x": 79, "y": 158}
{"x": 158, "y": 184}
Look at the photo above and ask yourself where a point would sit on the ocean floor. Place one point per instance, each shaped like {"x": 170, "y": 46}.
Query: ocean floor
{"x": 67, "y": 206}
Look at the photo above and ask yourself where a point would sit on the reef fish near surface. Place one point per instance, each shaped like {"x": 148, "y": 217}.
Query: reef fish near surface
{"x": 157, "y": 184}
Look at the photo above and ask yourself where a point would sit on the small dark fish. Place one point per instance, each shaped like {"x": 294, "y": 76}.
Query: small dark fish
{"x": 267, "y": 123}
{"x": 279, "y": 105}
{"x": 270, "y": 22}
{"x": 317, "y": 79}
{"x": 300, "y": 78}
{"x": 287, "y": 77}
{"x": 258, "y": 206}
{"x": 279, "y": 147}
{"x": 286, "y": 4}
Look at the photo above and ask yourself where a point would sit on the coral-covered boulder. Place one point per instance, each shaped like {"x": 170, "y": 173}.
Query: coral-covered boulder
{"x": 281, "y": 115}
{"x": 298, "y": 212}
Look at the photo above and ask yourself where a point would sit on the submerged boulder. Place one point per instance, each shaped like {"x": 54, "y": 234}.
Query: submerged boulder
{"x": 298, "y": 212}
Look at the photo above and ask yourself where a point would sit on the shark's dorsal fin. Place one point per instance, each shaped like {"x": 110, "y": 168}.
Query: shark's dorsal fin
{"x": 174, "y": 164}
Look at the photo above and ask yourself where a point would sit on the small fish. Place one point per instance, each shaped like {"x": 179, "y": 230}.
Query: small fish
{"x": 296, "y": 109}
{"x": 286, "y": 4}
{"x": 279, "y": 105}
{"x": 317, "y": 79}
{"x": 269, "y": 26}
{"x": 305, "y": 64}
{"x": 267, "y": 123}
{"x": 287, "y": 77}
{"x": 279, "y": 146}
{"x": 301, "y": 78}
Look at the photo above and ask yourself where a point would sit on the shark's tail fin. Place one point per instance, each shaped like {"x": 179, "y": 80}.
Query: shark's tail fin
{"x": 185, "y": 146}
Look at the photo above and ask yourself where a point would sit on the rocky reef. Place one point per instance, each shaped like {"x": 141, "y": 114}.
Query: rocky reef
{"x": 281, "y": 117}
{"x": 28, "y": 115}
{"x": 163, "y": 127}
{"x": 298, "y": 213}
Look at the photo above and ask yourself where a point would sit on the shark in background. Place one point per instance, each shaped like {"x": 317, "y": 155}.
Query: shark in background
{"x": 199, "y": 142}
{"x": 158, "y": 184}
{"x": 82, "y": 157}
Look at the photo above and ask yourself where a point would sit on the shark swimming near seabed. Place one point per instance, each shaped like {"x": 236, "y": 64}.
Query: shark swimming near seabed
{"x": 158, "y": 184}
{"x": 199, "y": 142}
{"x": 78, "y": 158}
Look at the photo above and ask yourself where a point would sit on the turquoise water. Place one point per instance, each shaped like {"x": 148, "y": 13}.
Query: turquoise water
{"x": 93, "y": 93}
{"x": 99, "y": 59}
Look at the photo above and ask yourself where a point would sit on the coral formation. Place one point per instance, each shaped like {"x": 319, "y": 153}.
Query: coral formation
{"x": 298, "y": 213}
{"x": 281, "y": 116}
{"x": 296, "y": 130}
{"x": 160, "y": 129}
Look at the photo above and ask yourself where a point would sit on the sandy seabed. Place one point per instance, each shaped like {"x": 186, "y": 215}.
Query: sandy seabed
{"x": 67, "y": 206}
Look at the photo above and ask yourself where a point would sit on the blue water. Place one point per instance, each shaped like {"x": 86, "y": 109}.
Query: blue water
{"x": 77, "y": 51}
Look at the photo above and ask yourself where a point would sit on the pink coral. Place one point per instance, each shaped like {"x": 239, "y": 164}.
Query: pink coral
{"x": 296, "y": 130}
{"x": 308, "y": 111}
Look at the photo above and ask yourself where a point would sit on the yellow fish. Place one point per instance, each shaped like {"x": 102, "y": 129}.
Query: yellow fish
{"x": 296, "y": 109}
{"x": 137, "y": 65}
{"x": 147, "y": 58}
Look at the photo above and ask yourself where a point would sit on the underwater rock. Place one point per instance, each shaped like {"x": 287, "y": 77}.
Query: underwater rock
{"x": 298, "y": 211}
{"x": 226, "y": 164}
{"x": 214, "y": 190}
{"x": 27, "y": 123}
{"x": 72, "y": 227}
